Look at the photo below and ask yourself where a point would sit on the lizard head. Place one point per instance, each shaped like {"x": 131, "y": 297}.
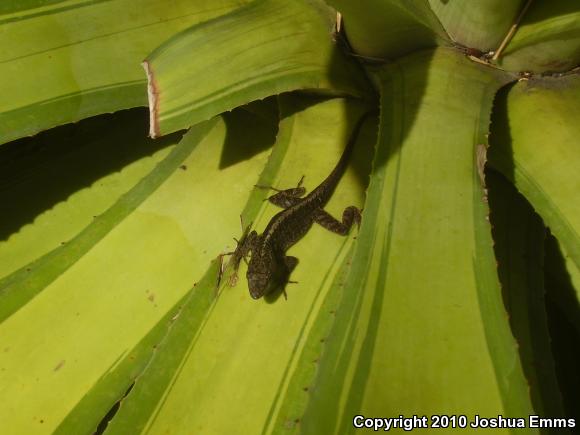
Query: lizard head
{"x": 264, "y": 280}
{"x": 259, "y": 284}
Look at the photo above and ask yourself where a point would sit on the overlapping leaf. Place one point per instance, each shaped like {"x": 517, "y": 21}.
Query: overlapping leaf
{"x": 61, "y": 61}
{"x": 422, "y": 328}
{"x": 546, "y": 40}
{"x": 519, "y": 236}
{"x": 481, "y": 24}
{"x": 541, "y": 157}
{"x": 266, "y": 48}
{"x": 395, "y": 28}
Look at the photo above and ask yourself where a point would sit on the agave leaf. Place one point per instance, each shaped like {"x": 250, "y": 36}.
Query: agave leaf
{"x": 547, "y": 39}
{"x": 99, "y": 300}
{"x": 41, "y": 209}
{"x": 541, "y": 157}
{"x": 393, "y": 29}
{"x": 481, "y": 24}
{"x": 564, "y": 279}
{"x": 564, "y": 316}
{"x": 519, "y": 235}
{"x": 422, "y": 296}
{"x": 65, "y": 61}
{"x": 254, "y": 345}
{"x": 265, "y": 48}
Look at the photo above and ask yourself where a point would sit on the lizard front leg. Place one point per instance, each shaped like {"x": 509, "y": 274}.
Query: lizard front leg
{"x": 288, "y": 197}
{"x": 245, "y": 245}
{"x": 350, "y": 216}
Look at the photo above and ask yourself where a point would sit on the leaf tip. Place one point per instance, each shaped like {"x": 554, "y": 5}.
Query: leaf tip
{"x": 153, "y": 98}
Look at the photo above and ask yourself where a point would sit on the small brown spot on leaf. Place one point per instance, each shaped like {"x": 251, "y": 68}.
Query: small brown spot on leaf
{"x": 58, "y": 366}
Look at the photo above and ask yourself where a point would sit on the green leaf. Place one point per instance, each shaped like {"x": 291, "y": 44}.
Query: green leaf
{"x": 99, "y": 300}
{"x": 541, "y": 157}
{"x": 481, "y": 24}
{"x": 393, "y": 29}
{"x": 254, "y": 345}
{"x": 65, "y": 61}
{"x": 41, "y": 209}
{"x": 421, "y": 328}
{"x": 564, "y": 279}
{"x": 561, "y": 276}
{"x": 519, "y": 235}
{"x": 265, "y": 48}
{"x": 547, "y": 39}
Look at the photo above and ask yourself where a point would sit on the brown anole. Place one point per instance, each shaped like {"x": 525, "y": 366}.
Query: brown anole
{"x": 269, "y": 268}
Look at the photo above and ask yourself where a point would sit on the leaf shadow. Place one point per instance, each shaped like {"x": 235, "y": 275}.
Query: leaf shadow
{"x": 37, "y": 173}
{"x": 250, "y": 129}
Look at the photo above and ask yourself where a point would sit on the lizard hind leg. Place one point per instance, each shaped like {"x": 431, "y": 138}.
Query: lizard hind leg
{"x": 291, "y": 263}
{"x": 350, "y": 216}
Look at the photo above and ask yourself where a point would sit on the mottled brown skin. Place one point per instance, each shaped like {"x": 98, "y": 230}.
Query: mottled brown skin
{"x": 270, "y": 268}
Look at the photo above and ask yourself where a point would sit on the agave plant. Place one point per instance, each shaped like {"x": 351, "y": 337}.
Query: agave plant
{"x": 118, "y": 309}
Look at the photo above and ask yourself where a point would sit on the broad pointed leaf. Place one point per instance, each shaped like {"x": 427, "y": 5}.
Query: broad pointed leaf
{"x": 266, "y": 48}
{"x": 421, "y": 328}
{"x": 62, "y": 61}
{"x": 546, "y": 40}
{"x": 482, "y": 24}
{"x": 254, "y": 345}
{"x": 519, "y": 235}
{"x": 393, "y": 29}
{"x": 541, "y": 157}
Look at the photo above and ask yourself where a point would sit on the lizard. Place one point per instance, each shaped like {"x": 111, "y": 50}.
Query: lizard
{"x": 269, "y": 267}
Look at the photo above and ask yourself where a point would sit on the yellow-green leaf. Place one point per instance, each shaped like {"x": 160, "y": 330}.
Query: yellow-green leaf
{"x": 84, "y": 315}
{"x": 422, "y": 328}
{"x": 536, "y": 147}
{"x": 62, "y": 61}
{"x": 265, "y": 48}
{"x": 236, "y": 358}
{"x": 546, "y": 40}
